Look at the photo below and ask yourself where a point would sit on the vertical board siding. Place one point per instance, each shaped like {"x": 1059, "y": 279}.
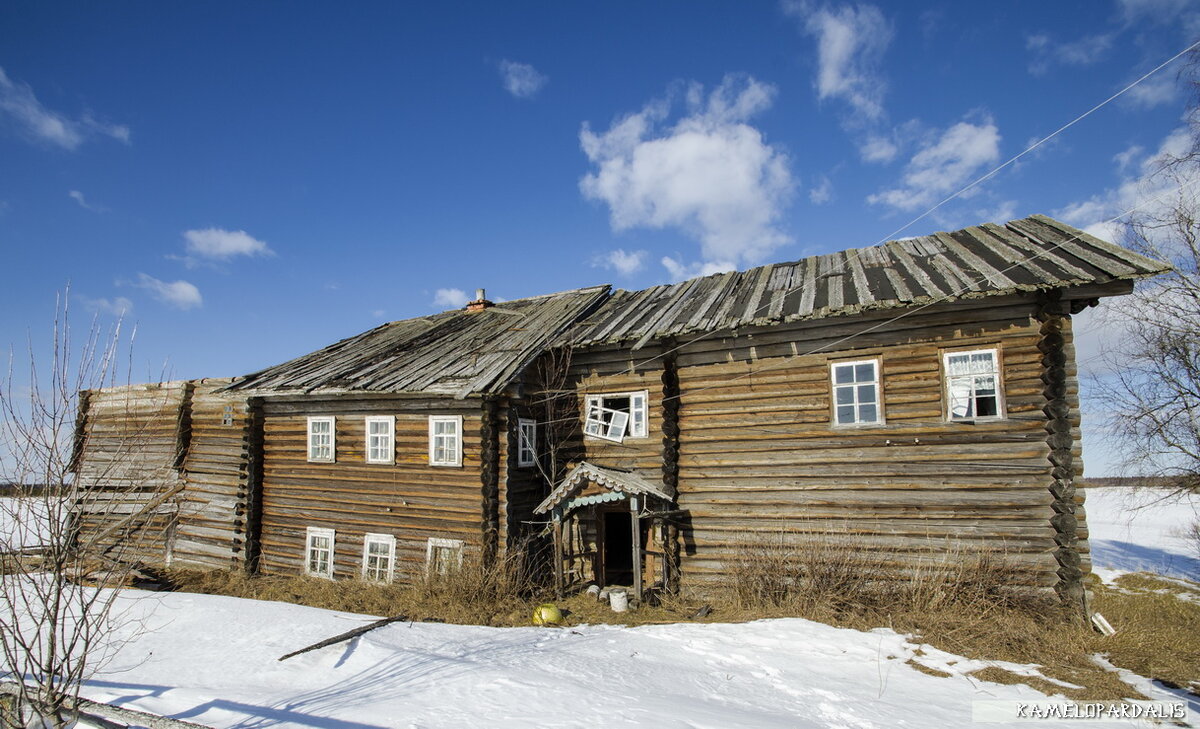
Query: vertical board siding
{"x": 409, "y": 499}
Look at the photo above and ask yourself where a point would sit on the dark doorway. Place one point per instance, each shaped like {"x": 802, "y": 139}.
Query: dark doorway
{"x": 618, "y": 548}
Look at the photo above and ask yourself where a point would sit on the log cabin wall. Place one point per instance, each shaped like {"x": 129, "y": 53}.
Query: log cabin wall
{"x": 408, "y": 499}
{"x": 129, "y": 443}
{"x": 522, "y": 487}
{"x": 759, "y": 456}
{"x": 212, "y": 529}
{"x": 610, "y": 371}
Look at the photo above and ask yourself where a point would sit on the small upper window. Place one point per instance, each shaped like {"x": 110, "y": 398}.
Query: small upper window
{"x": 379, "y": 557}
{"x": 381, "y": 439}
{"x": 443, "y": 556}
{"x": 318, "y": 552}
{"x": 973, "y": 385}
{"x": 227, "y": 415}
{"x": 616, "y": 416}
{"x": 856, "y": 392}
{"x": 320, "y": 439}
{"x": 526, "y": 442}
{"x": 445, "y": 440}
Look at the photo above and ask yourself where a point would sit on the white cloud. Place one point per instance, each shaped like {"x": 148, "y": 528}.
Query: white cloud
{"x": 450, "y": 298}
{"x": 1002, "y": 212}
{"x": 1154, "y": 91}
{"x": 822, "y": 193}
{"x": 78, "y": 197}
{"x": 710, "y": 174}
{"x": 877, "y": 148}
{"x": 943, "y": 165}
{"x": 36, "y": 122}
{"x": 1129, "y": 157}
{"x": 1083, "y": 52}
{"x": 520, "y": 79}
{"x": 378, "y": 313}
{"x": 180, "y": 294}
{"x": 117, "y": 306}
{"x": 624, "y": 262}
{"x": 217, "y": 244}
{"x": 1140, "y": 187}
{"x": 679, "y": 271}
{"x": 851, "y": 41}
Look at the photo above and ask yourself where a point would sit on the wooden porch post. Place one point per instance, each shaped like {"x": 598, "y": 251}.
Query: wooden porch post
{"x": 637, "y": 547}
{"x": 558, "y": 558}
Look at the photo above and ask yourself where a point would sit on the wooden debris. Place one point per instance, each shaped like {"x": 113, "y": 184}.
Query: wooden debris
{"x": 348, "y": 635}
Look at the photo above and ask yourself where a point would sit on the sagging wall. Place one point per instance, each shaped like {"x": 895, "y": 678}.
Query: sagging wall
{"x": 163, "y": 470}
{"x": 759, "y": 456}
{"x": 408, "y": 499}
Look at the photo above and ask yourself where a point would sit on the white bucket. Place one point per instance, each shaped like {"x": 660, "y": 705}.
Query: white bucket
{"x": 594, "y": 591}
{"x": 618, "y": 600}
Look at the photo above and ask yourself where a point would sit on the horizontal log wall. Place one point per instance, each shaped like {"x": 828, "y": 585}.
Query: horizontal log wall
{"x": 211, "y": 532}
{"x": 760, "y": 458}
{"x": 521, "y": 487}
{"x": 409, "y": 499}
{"x": 607, "y": 372}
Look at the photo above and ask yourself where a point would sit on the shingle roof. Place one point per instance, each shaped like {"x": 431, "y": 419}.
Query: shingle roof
{"x": 456, "y": 352}
{"x": 461, "y": 353}
{"x": 1032, "y": 254}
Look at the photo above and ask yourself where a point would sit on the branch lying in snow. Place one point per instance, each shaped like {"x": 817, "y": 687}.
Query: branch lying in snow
{"x": 341, "y": 637}
{"x": 108, "y": 716}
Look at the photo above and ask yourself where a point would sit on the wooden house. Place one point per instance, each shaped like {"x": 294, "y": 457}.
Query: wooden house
{"x": 165, "y": 473}
{"x": 907, "y": 395}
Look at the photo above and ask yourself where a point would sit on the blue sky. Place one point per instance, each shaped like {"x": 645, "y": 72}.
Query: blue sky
{"x": 249, "y": 182}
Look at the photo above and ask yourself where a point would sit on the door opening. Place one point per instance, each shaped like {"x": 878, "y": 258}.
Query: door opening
{"x": 618, "y": 548}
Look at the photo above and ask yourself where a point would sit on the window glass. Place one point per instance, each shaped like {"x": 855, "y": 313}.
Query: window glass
{"x": 856, "y": 392}
{"x": 972, "y": 385}
{"x": 616, "y": 416}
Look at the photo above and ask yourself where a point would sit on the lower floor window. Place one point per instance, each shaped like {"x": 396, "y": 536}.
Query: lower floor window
{"x": 443, "y": 556}
{"x": 318, "y": 552}
{"x": 379, "y": 557}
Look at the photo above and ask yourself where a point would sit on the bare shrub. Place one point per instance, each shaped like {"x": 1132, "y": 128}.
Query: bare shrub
{"x": 55, "y": 625}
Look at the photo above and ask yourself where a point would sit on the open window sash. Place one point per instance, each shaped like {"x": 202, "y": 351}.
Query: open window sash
{"x": 605, "y": 423}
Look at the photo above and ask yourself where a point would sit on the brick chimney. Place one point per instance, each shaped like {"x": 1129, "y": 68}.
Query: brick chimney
{"x": 480, "y": 303}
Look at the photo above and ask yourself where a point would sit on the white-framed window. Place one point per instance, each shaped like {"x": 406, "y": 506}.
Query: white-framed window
{"x": 443, "y": 556}
{"x": 616, "y": 416}
{"x": 856, "y": 392}
{"x": 321, "y": 446}
{"x": 526, "y": 442}
{"x": 381, "y": 439}
{"x": 445, "y": 440}
{"x": 379, "y": 557}
{"x": 973, "y": 385}
{"x": 318, "y": 552}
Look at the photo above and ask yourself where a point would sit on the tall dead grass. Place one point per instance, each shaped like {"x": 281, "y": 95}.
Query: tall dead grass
{"x": 500, "y": 592}
{"x": 834, "y": 572}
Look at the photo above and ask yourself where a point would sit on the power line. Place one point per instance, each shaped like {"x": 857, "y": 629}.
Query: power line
{"x": 775, "y": 363}
{"x": 853, "y": 254}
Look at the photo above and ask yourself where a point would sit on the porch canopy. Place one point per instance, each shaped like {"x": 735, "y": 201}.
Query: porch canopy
{"x": 577, "y": 503}
{"x": 619, "y": 484}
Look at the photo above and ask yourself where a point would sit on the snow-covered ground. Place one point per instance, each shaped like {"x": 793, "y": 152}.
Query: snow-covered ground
{"x": 1141, "y": 531}
{"x": 24, "y": 522}
{"x": 213, "y": 660}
